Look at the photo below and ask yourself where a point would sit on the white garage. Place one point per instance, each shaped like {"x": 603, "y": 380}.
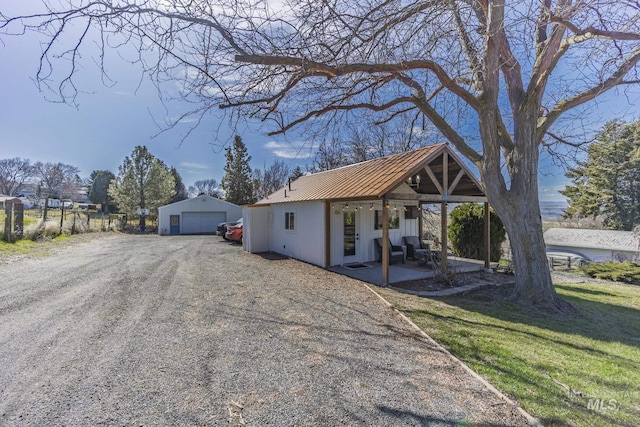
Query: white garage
{"x": 199, "y": 215}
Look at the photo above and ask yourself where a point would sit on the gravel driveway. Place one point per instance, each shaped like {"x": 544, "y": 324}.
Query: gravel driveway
{"x": 189, "y": 330}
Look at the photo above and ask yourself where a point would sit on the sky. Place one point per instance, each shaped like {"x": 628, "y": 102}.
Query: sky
{"x": 110, "y": 121}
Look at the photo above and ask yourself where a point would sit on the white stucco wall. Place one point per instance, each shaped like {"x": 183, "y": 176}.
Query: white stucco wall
{"x": 306, "y": 241}
{"x": 366, "y": 250}
{"x": 256, "y": 232}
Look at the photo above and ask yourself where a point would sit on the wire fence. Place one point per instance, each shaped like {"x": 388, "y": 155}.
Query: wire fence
{"x": 58, "y": 221}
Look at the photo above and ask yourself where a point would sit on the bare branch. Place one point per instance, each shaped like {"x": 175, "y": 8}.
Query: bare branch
{"x": 564, "y": 141}
{"x": 322, "y": 111}
{"x": 320, "y": 69}
{"x": 614, "y": 80}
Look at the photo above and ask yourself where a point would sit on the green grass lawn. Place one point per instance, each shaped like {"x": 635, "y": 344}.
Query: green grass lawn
{"x": 19, "y": 247}
{"x": 581, "y": 370}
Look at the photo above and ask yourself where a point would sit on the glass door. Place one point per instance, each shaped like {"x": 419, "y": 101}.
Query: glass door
{"x": 350, "y": 237}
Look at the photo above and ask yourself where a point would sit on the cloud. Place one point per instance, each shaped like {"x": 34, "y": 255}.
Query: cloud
{"x": 294, "y": 150}
{"x": 191, "y": 165}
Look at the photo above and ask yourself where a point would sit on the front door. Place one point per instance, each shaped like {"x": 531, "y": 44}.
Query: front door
{"x": 351, "y": 237}
{"x": 175, "y": 224}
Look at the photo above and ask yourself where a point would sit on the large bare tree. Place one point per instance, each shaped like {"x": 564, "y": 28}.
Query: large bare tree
{"x": 13, "y": 173}
{"x": 270, "y": 179}
{"x": 508, "y": 70}
{"x": 57, "y": 180}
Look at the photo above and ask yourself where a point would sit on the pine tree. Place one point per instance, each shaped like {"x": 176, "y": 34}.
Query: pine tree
{"x": 180, "y": 190}
{"x": 237, "y": 181}
{"x": 607, "y": 183}
{"x": 99, "y": 181}
{"x": 297, "y": 173}
{"x": 143, "y": 181}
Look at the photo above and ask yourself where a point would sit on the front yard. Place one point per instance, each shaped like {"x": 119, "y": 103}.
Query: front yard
{"x": 582, "y": 370}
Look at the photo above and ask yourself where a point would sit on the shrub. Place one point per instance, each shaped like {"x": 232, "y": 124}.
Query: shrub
{"x": 626, "y": 272}
{"x": 466, "y": 232}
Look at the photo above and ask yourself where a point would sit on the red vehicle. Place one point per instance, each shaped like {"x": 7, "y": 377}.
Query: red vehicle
{"x": 234, "y": 232}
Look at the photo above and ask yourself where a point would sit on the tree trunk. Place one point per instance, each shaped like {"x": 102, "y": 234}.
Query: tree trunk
{"x": 517, "y": 205}
{"x": 46, "y": 209}
{"x": 534, "y": 287}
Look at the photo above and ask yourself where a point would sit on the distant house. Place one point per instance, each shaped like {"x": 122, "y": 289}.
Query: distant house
{"x": 26, "y": 202}
{"x": 199, "y": 215}
{"x": 5, "y": 199}
{"x": 594, "y": 245}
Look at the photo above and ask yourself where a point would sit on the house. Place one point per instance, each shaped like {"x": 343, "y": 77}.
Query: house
{"x": 4, "y": 199}
{"x": 594, "y": 245}
{"x": 332, "y": 218}
{"x": 199, "y": 215}
{"x": 26, "y": 202}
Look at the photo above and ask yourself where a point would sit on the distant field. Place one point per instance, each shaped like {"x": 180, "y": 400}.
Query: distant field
{"x": 83, "y": 220}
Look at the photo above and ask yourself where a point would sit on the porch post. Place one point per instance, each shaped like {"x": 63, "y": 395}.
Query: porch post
{"x": 385, "y": 242}
{"x": 487, "y": 236}
{"x": 443, "y": 212}
{"x": 443, "y": 236}
{"x": 420, "y": 221}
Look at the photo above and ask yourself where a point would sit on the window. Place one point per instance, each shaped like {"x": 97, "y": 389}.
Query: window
{"x": 289, "y": 223}
{"x": 394, "y": 220}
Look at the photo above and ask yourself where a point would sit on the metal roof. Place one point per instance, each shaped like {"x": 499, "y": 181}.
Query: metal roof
{"x": 5, "y": 198}
{"x": 376, "y": 178}
{"x": 592, "y": 239}
{"x": 200, "y": 198}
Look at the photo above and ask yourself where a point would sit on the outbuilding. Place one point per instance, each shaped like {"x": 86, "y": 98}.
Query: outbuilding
{"x": 333, "y": 218}
{"x": 8, "y": 199}
{"x": 199, "y": 215}
{"x": 594, "y": 245}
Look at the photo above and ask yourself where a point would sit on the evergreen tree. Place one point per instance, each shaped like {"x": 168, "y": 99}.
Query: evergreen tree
{"x": 180, "y": 190}
{"x": 466, "y": 232}
{"x": 143, "y": 181}
{"x": 607, "y": 183}
{"x": 237, "y": 181}
{"x": 99, "y": 181}
{"x": 297, "y": 173}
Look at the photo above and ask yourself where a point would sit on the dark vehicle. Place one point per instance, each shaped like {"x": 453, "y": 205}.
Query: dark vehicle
{"x": 222, "y": 227}
{"x": 234, "y": 232}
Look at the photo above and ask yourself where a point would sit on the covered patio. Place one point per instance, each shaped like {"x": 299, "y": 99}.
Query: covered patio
{"x": 371, "y": 272}
{"x": 435, "y": 175}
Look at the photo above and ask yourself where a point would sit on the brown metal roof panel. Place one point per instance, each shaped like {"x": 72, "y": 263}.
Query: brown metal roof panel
{"x": 368, "y": 179}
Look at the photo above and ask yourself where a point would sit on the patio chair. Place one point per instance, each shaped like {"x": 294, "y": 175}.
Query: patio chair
{"x": 396, "y": 253}
{"x": 415, "y": 249}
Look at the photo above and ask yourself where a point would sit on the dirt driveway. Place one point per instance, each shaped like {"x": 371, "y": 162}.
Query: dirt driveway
{"x": 189, "y": 330}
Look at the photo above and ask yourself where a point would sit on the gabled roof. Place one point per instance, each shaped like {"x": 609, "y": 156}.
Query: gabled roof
{"x": 592, "y": 239}
{"x": 376, "y": 178}
{"x": 202, "y": 197}
{"x": 4, "y": 198}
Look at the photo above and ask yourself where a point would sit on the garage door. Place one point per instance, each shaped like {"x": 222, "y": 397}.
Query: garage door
{"x": 201, "y": 222}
